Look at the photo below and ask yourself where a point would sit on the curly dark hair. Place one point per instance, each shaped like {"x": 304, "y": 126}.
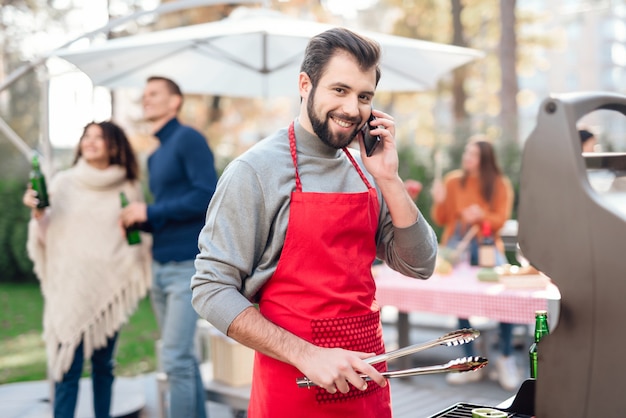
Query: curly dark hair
{"x": 118, "y": 146}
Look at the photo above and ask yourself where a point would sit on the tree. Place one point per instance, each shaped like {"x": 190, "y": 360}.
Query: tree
{"x": 459, "y": 96}
{"x": 508, "y": 74}
{"x": 14, "y": 262}
{"x": 22, "y": 21}
{"x": 458, "y": 88}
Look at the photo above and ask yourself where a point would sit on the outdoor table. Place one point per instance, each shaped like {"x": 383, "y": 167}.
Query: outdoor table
{"x": 461, "y": 294}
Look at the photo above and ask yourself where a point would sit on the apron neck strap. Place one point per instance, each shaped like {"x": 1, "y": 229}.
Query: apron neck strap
{"x": 358, "y": 168}
{"x": 294, "y": 158}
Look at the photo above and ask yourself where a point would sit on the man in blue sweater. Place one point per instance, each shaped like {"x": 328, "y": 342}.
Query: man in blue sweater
{"x": 182, "y": 180}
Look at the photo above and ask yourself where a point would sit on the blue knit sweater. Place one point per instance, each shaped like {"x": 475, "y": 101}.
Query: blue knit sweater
{"x": 182, "y": 181}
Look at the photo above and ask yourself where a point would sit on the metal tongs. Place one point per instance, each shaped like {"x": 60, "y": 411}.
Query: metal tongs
{"x": 458, "y": 337}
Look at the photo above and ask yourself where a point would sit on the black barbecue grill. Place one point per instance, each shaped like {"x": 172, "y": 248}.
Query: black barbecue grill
{"x": 575, "y": 232}
{"x": 464, "y": 410}
{"x": 572, "y": 227}
{"x": 521, "y": 406}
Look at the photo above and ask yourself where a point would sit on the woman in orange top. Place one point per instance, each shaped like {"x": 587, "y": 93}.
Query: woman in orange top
{"x": 478, "y": 193}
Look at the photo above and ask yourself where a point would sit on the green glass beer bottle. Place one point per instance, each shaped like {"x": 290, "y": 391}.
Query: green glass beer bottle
{"x": 541, "y": 330}
{"x": 132, "y": 233}
{"x": 38, "y": 183}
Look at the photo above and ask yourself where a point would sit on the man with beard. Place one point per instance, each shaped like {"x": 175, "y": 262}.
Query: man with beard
{"x": 295, "y": 224}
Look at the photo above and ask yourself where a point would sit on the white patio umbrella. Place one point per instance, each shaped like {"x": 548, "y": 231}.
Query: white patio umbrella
{"x": 251, "y": 53}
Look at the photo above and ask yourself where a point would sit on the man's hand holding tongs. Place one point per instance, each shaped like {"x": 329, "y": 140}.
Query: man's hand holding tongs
{"x": 334, "y": 368}
{"x": 458, "y": 337}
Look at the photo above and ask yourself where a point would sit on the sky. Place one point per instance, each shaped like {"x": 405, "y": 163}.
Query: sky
{"x": 73, "y": 100}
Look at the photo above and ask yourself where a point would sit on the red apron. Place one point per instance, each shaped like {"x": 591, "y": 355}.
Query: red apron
{"x": 323, "y": 291}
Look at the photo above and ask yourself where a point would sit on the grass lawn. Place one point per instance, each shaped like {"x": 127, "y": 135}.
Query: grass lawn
{"x": 22, "y": 351}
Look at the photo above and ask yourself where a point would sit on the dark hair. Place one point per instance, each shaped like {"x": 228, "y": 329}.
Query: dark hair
{"x": 118, "y": 146}
{"x": 584, "y": 135}
{"x": 322, "y": 47}
{"x": 489, "y": 171}
{"x": 171, "y": 85}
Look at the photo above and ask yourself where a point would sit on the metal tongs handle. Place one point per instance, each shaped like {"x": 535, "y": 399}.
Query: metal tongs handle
{"x": 458, "y": 337}
{"x": 464, "y": 364}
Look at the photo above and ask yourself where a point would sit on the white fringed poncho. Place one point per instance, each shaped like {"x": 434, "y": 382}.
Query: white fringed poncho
{"x": 91, "y": 279}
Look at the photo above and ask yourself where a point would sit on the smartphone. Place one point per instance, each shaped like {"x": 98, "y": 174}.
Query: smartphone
{"x": 370, "y": 141}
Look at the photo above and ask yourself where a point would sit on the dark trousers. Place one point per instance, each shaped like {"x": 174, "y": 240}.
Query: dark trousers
{"x": 66, "y": 391}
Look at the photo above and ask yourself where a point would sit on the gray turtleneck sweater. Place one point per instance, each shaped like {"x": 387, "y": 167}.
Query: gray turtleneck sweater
{"x": 247, "y": 218}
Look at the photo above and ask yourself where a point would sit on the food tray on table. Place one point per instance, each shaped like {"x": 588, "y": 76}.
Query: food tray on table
{"x": 526, "y": 281}
{"x": 526, "y": 277}
{"x": 464, "y": 410}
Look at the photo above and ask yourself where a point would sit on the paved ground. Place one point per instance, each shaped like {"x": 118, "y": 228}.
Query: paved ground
{"x": 416, "y": 397}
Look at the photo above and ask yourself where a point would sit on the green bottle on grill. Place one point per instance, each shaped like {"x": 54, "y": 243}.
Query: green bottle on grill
{"x": 38, "y": 183}
{"x": 132, "y": 233}
{"x": 541, "y": 330}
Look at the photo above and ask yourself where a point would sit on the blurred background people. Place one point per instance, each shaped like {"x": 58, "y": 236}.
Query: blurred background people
{"x": 588, "y": 140}
{"x": 91, "y": 278}
{"x": 476, "y": 194}
{"x": 182, "y": 180}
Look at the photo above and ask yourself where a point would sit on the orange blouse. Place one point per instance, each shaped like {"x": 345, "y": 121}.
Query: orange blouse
{"x": 458, "y": 197}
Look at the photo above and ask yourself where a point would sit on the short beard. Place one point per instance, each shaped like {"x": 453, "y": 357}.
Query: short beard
{"x": 321, "y": 129}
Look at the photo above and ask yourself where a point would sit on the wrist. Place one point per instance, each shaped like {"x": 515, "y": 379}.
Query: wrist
{"x": 302, "y": 355}
{"x": 37, "y": 214}
{"x": 390, "y": 182}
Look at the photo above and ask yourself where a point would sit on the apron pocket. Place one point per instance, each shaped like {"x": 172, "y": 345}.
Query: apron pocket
{"x": 355, "y": 333}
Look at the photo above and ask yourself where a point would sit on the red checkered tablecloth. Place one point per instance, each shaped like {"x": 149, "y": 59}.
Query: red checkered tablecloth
{"x": 461, "y": 294}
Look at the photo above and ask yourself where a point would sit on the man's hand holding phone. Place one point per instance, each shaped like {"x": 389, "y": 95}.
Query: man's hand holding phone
{"x": 370, "y": 141}
{"x": 378, "y": 147}
{"x": 383, "y": 166}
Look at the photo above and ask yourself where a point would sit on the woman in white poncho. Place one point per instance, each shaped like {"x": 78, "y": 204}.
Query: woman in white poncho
{"x": 91, "y": 278}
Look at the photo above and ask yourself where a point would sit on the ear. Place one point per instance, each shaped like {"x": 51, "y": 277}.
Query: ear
{"x": 304, "y": 85}
{"x": 176, "y": 102}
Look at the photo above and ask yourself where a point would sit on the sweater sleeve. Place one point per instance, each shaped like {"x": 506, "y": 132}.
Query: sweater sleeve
{"x": 36, "y": 239}
{"x": 36, "y": 249}
{"x": 230, "y": 245}
{"x": 411, "y": 251}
